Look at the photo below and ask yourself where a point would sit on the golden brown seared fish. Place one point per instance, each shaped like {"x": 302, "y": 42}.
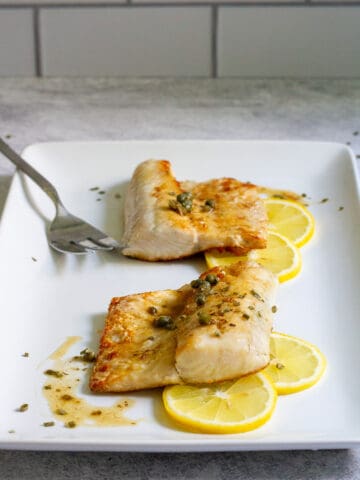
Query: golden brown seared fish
{"x": 217, "y": 332}
{"x": 154, "y": 230}
{"x": 229, "y": 335}
{"x": 133, "y": 354}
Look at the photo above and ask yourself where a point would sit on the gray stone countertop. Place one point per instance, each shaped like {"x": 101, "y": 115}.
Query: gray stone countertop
{"x": 38, "y": 110}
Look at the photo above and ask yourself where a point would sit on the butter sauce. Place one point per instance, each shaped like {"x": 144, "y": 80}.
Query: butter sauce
{"x": 64, "y": 348}
{"x": 61, "y": 393}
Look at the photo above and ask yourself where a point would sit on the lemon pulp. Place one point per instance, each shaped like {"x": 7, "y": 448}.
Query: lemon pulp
{"x": 295, "y": 364}
{"x": 280, "y": 256}
{"x": 226, "y": 407}
{"x": 290, "y": 219}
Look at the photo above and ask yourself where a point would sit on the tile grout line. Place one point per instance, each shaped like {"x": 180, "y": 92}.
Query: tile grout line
{"x": 214, "y": 41}
{"x": 37, "y": 46}
{"x": 167, "y": 4}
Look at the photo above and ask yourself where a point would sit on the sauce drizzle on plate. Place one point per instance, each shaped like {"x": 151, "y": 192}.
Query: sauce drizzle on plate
{"x": 63, "y": 381}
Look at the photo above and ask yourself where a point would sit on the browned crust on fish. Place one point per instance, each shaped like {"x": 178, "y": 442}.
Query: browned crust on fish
{"x": 154, "y": 231}
{"x": 134, "y": 354}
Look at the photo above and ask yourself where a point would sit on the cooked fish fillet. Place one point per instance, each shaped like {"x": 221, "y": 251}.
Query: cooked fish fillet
{"x": 155, "y": 231}
{"x": 133, "y": 354}
{"x": 237, "y": 317}
{"x": 225, "y": 338}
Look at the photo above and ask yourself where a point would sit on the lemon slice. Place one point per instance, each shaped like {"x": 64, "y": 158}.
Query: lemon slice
{"x": 280, "y": 256}
{"x": 295, "y": 364}
{"x": 227, "y": 407}
{"x": 290, "y": 219}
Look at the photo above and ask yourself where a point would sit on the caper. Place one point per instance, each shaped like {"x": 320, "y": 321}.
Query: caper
{"x": 212, "y": 279}
{"x": 195, "y": 283}
{"x": 204, "y": 286}
{"x": 183, "y": 197}
{"x": 200, "y": 300}
{"x": 210, "y": 203}
{"x": 87, "y": 355}
{"x": 164, "y": 321}
{"x": 180, "y": 208}
{"x": 187, "y": 205}
{"x": 204, "y": 318}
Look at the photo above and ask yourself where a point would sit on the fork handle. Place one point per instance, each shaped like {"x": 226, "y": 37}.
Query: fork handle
{"x": 25, "y": 167}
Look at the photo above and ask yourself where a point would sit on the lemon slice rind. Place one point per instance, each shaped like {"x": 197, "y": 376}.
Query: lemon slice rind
{"x": 286, "y": 247}
{"x": 298, "y": 212}
{"x": 292, "y": 270}
{"x": 190, "y": 418}
{"x": 304, "y": 382}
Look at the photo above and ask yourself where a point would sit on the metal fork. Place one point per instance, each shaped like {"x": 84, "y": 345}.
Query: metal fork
{"x": 66, "y": 232}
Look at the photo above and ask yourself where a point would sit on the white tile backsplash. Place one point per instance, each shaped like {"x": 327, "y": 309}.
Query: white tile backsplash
{"x": 289, "y": 41}
{"x": 17, "y": 55}
{"x": 156, "y": 41}
{"x": 246, "y": 38}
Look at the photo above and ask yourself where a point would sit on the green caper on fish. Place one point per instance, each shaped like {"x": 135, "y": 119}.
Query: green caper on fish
{"x": 184, "y": 197}
{"x": 187, "y": 205}
{"x": 204, "y": 286}
{"x": 87, "y": 355}
{"x": 200, "y": 300}
{"x": 204, "y": 318}
{"x": 195, "y": 283}
{"x": 185, "y": 200}
{"x": 182, "y": 208}
{"x": 164, "y": 321}
{"x": 212, "y": 279}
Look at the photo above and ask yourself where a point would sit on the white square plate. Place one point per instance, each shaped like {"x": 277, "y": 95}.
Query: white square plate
{"x": 44, "y": 301}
